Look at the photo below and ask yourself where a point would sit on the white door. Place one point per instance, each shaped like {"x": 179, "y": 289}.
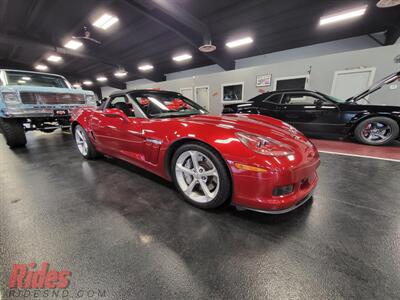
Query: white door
{"x": 187, "y": 92}
{"x": 351, "y": 82}
{"x": 202, "y": 96}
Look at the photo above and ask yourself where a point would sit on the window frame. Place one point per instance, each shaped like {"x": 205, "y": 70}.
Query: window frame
{"x": 306, "y": 85}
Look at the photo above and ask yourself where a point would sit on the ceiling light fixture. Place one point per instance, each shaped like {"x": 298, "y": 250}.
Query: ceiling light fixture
{"x": 182, "y": 57}
{"x": 26, "y": 78}
{"x": 77, "y": 85}
{"x": 120, "y": 73}
{"x": 41, "y": 67}
{"x": 73, "y": 44}
{"x": 54, "y": 58}
{"x": 239, "y": 42}
{"x": 345, "y": 15}
{"x": 101, "y": 79}
{"x": 87, "y": 82}
{"x": 105, "y": 21}
{"x": 146, "y": 67}
{"x": 21, "y": 81}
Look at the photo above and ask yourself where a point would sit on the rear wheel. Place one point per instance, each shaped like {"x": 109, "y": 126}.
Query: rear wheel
{"x": 377, "y": 131}
{"x": 14, "y": 132}
{"x": 85, "y": 146}
{"x": 201, "y": 176}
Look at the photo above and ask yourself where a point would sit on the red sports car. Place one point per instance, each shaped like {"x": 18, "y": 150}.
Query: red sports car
{"x": 256, "y": 162}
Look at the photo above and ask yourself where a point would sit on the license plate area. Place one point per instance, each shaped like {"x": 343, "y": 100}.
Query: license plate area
{"x": 61, "y": 112}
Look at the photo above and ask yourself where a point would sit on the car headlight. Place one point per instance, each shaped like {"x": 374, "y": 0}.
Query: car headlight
{"x": 263, "y": 145}
{"x": 90, "y": 100}
{"x": 11, "y": 98}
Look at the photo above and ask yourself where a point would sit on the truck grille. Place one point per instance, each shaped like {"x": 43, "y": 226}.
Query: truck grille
{"x": 51, "y": 98}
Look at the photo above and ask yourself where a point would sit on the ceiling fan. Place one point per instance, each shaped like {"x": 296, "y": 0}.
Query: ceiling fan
{"x": 86, "y": 36}
{"x": 387, "y": 3}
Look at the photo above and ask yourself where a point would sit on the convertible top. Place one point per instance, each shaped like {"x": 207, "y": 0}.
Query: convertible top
{"x": 142, "y": 91}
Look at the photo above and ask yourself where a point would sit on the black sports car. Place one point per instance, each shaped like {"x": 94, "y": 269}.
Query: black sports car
{"x": 315, "y": 113}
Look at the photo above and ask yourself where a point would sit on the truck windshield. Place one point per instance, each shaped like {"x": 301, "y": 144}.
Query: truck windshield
{"x": 35, "y": 79}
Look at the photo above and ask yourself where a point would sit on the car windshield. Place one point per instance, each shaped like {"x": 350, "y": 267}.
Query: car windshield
{"x": 160, "y": 105}
{"x": 334, "y": 99}
{"x": 35, "y": 79}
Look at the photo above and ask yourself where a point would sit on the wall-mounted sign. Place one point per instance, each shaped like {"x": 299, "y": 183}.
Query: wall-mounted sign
{"x": 263, "y": 80}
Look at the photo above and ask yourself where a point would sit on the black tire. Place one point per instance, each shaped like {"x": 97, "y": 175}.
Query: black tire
{"x": 225, "y": 184}
{"x": 92, "y": 153}
{"x": 14, "y": 132}
{"x": 394, "y": 131}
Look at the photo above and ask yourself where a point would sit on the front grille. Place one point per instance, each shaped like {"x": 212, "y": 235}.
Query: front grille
{"x": 51, "y": 98}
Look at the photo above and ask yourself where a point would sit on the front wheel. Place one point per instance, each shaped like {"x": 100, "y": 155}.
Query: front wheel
{"x": 201, "y": 176}
{"x": 14, "y": 132}
{"x": 377, "y": 131}
{"x": 85, "y": 146}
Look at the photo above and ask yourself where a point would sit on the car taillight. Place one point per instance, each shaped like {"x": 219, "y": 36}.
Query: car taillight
{"x": 264, "y": 145}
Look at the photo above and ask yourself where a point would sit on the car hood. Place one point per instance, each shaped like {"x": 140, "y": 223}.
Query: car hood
{"x": 248, "y": 123}
{"x": 39, "y": 89}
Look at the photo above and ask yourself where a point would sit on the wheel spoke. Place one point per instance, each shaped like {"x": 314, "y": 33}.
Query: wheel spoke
{"x": 194, "y": 156}
{"x": 80, "y": 135}
{"x": 212, "y": 172}
{"x": 205, "y": 189}
{"x": 184, "y": 169}
{"x": 190, "y": 187}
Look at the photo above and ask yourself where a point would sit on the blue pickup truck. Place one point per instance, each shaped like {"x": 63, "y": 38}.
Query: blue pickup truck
{"x": 36, "y": 101}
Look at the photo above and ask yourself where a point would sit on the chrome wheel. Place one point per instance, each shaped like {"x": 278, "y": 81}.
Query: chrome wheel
{"x": 197, "y": 176}
{"x": 81, "y": 141}
{"x": 377, "y": 132}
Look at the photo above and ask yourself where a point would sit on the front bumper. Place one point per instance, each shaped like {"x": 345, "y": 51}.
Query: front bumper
{"x": 254, "y": 190}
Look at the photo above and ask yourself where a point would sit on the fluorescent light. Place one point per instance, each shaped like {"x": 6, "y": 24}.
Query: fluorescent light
{"x": 76, "y": 85}
{"x": 26, "y": 78}
{"x": 101, "y": 78}
{"x": 54, "y": 58}
{"x": 145, "y": 67}
{"x": 120, "y": 73}
{"x": 73, "y": 44}
{"x": 345, "y": 15}
{"x": 41, "y": 67}
{"x": 182, "y": 57}
{"x": 105, "y": 21}
{"x": 240, "y": 42}
{"x": 87, "y": 82}
{"x": 21, "y": 81}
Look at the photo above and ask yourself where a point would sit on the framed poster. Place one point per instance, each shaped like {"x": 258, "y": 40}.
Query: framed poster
{"x": 232, "y": 92}
{"x": 263, "y": 80}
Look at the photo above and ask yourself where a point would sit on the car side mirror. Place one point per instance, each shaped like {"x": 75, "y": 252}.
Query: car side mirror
{"x": 115, "y": 113}
{"x": 319, "y": 103}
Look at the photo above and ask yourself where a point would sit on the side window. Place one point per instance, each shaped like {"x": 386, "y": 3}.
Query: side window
{"x": 300, "y": 99}
{"x": 118, "y": 99}
{"x": 275, "y": 98}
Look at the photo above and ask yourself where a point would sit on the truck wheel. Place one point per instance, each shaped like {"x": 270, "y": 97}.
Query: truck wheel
{"x": 14, "y": 132}
{"x": 377, "y": 131}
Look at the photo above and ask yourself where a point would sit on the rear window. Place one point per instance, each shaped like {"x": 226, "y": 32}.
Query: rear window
{"x": 34, "y": 79}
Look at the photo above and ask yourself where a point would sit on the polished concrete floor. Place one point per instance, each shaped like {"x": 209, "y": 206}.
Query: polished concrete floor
{"x": 121, "y": 230}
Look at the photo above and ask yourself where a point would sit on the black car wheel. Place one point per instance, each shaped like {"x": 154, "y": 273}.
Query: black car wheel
{"x": 14, "y": 132}
{"x": 377, "y": 131}
{"x": 201, "y": 176}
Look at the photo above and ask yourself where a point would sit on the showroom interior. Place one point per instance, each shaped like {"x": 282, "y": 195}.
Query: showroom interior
{"x": 177, "y": 149}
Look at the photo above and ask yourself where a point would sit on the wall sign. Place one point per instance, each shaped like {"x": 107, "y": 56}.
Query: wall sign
{"x": 263, "y": 80}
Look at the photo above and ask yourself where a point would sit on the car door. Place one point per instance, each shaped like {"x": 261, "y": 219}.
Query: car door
{"x": 116, "y": 133}
{"x": 311, "y": 113}
{"x": 270, "y": 105}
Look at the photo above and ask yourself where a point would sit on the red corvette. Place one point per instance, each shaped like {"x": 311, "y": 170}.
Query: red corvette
{"x": 254, "y": 161}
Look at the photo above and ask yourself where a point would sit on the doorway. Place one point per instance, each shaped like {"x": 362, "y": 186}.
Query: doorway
{"x": 351, "y": 82}
{"x": 202, "y": 96}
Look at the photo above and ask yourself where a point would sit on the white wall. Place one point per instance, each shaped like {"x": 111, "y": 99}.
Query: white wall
{"x": 321, "y": 78}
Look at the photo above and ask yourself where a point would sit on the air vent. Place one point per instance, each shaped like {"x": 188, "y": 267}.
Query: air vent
{"x": 387, "y": 3}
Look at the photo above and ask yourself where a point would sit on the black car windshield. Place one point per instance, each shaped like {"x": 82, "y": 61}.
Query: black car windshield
{"x": 167, "y": 105}
{"x": 35, "y": 79}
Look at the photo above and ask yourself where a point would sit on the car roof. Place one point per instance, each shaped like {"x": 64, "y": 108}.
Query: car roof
{"x": 143, "y": 91}
{"x": 33, "y": 72}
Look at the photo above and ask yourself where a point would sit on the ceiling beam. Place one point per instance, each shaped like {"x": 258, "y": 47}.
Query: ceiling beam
{"x": 3, "y": 12}
{"x": 115, "y": 63}
{"x": 189, "y": 28}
